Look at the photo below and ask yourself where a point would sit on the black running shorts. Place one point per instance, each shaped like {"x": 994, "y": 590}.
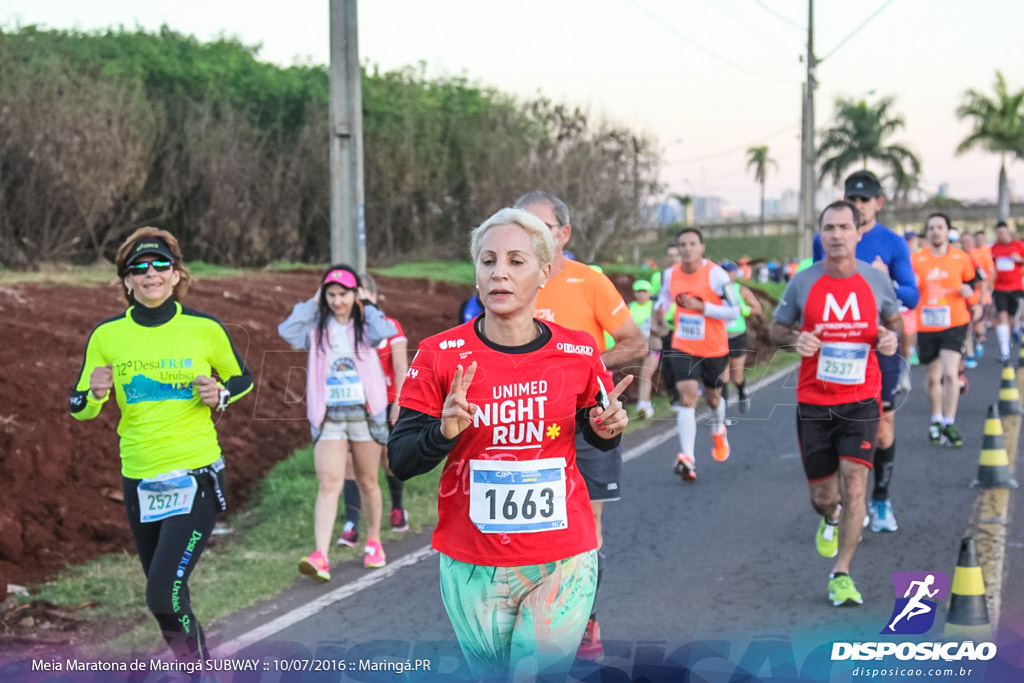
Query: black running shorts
{"x": 1007, "y": 300}
{"x": 738, "y": 345}
{"x": 930, "y": 343}
{"x": 601, "y": 470}
{"x": 706, "y": 370}
{"x": 827, "y": 434}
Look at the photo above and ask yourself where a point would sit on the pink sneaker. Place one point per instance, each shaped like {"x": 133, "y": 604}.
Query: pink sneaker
{"x": 349, "y": 535}
{"x": 374, "y": 555}
{"x": 399, "y": 520}
{"x": 316, "y": 567}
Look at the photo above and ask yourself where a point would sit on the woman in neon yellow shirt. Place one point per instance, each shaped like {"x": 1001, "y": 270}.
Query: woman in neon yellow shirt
{"x": 157, "y": 359}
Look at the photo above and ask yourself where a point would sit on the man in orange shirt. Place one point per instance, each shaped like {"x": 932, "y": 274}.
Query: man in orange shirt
{"x": 580, "y": 298}
{"x": 700, "y": 344}
{"x": 946, "y": 280}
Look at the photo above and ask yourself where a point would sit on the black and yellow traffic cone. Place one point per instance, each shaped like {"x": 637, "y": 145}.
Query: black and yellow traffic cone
{"x": 967, "y": 618}
{"x": 1009, "y": 394}
{"x": 994, "y": 464}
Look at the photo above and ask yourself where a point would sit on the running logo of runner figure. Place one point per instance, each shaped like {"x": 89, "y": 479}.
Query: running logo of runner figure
{"x": 914, "y": 612}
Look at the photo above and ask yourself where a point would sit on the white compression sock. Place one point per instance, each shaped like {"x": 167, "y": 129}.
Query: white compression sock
{"x": 686, "y": 426}
{"x": 1003, "y": 334}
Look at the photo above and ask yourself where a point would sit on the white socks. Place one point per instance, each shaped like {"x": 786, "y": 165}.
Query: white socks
{"x": 686, "y": 427}
{"x": 1003, "y": 334}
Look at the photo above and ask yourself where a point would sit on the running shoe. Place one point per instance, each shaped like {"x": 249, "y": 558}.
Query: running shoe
{"x": 644, "y": 410}
{"x": 882, "y": 518}
{"x": 591, "y": 649}
{"x": 935, "y": 433}
{"x": 914, "y": 360}
{"x": 842, "y": 592}
{"x": 979, "y": 349}
{"x": 744, "y": 398}
{"x": 720, "y": 451}
{"x": 349, "y": 535}
{"x": 399, "y": 520}
{"x": 903, "y": 386}
{"x": 1003, "y": 357}
{"x": 827, "y": 539}
{"x": 374, "y": 555}
{"x": 952, "y": 436}
{"x": 316, "y": 567}
{"x": 685, "y": 467}
{"x": 970, "y": 362}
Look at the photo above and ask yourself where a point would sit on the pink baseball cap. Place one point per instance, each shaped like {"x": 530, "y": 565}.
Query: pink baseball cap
{"x": 342, "y": 277}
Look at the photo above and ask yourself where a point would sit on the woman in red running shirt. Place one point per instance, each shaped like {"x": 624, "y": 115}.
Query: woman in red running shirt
{"x": 498, "y": 400}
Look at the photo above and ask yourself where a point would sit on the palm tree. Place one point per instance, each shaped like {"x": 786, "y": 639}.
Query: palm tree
{"x": 903, "y": 184}
{"x": 760, "y": 161}
{"x": 997, "y": 128}
{"x": 684, "y": 201}
{"x": 859, "y": 135}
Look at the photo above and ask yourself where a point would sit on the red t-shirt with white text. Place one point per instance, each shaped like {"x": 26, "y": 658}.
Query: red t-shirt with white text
{"x": 527, "y": 403}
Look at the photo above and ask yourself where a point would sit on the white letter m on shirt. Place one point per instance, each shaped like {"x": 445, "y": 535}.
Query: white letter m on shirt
{"x": 832, "y": 306}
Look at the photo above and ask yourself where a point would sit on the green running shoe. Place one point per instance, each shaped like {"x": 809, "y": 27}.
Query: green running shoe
{"x": 953, "y": 436}
{"x": 842, "y": 592}
{"x": 827, "y": 539}
{"x": 935, "y": 433}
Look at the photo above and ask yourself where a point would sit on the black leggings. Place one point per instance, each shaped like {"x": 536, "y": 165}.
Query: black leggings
{"x": 169, "y": 550}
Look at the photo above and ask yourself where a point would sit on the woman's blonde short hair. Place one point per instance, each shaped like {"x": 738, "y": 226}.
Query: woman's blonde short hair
{"x": 539, "y": 233}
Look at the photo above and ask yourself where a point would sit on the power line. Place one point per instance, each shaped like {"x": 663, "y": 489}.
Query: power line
{"x": 856, "y": 30}
{"x": 731, "y": 150}
{"x": 780, "y": 16}
{"x": 703, "y": 49}
{"x": 760, "y": 34}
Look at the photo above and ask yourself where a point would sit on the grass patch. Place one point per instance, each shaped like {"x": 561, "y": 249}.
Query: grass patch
{"x": 273, "y": 533}
{"x": 456, "y": 272}
{"x": 779, "y": 360}
{"x": 61, "y": 274}
{"x": 104, "y": 273}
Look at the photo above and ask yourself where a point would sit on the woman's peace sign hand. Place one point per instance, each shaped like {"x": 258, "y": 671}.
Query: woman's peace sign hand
{"x": 457, "y": 412}
{"x": 608, "y": 422}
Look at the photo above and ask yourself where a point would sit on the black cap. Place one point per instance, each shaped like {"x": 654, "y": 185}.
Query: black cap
{"x": 149, "y": 245}
{"x": 862, "y": 184}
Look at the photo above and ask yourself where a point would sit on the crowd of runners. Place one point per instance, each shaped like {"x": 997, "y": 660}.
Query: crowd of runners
{"x": 518, "y": 405}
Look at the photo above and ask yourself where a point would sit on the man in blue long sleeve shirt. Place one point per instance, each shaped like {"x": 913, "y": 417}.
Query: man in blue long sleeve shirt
{"x": 887, "y": 251}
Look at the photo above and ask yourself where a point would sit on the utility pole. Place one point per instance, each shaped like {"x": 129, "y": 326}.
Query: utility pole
{"x": 348, "y": 222}
{"x": 806, "y": 220}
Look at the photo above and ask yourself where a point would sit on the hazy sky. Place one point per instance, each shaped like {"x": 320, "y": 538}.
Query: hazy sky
{"x": 707, "y": 78}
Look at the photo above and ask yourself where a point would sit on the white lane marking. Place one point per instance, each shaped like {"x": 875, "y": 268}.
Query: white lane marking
{"x": 287, "y": 619}
{"x": 309, "y": 609}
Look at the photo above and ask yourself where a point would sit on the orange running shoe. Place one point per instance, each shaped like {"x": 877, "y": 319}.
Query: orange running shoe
{"x": 685, "y": 467}
{"x": 720, "y": 451}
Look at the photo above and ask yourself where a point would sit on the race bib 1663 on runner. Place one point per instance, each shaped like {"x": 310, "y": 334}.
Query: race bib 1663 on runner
{"x": 512, "y": 496}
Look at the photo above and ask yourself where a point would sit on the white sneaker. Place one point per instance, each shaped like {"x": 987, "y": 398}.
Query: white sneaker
{"x": 644, "y": 410}
{"x": 882, "y": 518}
